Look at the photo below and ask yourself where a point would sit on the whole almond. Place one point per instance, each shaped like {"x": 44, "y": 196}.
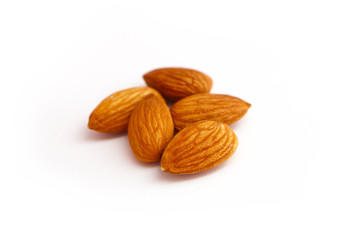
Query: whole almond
{"x": 113, "y": 113}
{"x": 177, "y": 83}
{"x": 206, "y": 106}
{"x": 150, "y": 129}
{"x": 199, "y": 147}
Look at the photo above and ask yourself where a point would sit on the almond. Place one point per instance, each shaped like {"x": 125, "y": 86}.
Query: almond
{"x": 112, "y": 114}
{"x": 199, "y": 147}
{"x": 177, "y": 83}
{"x": 206, "y": 106}
{"x": 150, "y": 129}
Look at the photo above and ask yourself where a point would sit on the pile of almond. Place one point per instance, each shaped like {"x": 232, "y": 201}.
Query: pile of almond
{"x": 204, "y": 139}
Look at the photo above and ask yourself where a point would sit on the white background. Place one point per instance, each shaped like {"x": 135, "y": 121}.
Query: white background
{"x": 290, "y": 177}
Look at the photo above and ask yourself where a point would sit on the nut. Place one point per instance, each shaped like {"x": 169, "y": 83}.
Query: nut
{"x": 199, "y": 147}
{"x": 150, "y": 129}
{"x": 112, "y": 114}
{"x": 206, "y": 106}
{"x": 177, "y": 83}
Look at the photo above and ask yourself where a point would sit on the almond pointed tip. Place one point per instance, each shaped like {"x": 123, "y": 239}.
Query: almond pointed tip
{"x": 145, "y": 75}
{"x": 90, "y": 125}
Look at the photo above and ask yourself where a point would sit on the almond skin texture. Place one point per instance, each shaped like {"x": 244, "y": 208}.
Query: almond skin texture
{"x": 177, "y": 83}
{"x": 150, "y": 129}
{"x": 199, "y": 147}
{"x": 113, "y": 113}
{"x": 206, "y": 106}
